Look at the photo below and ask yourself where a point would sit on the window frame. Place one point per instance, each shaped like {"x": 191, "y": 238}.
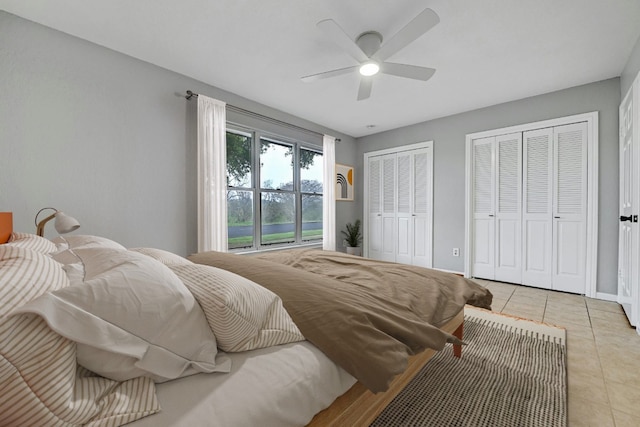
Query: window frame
{"x": 257, "y": 136}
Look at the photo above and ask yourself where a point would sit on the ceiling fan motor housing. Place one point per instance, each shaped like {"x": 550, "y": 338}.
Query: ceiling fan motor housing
{"x": 369, "y": 42}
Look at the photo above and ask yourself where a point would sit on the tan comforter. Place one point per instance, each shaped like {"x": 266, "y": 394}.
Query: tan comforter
{"x": 367, "y": 316}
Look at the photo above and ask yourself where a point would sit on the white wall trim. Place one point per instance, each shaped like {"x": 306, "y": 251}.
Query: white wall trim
{"x": 592, "y": 191}
{"x": 417, "y": 145}
{"x": 365, "y": 199}
{"x": 459, "y": 273}
{"x": 607, "y": 297}
{"x": 592, "y": 204}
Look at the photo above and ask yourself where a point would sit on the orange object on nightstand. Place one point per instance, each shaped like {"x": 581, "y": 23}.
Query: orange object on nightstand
{"x": 6, "y": 226}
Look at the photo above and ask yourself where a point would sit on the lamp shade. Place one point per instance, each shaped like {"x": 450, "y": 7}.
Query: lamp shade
{"x": 64, "y": 223}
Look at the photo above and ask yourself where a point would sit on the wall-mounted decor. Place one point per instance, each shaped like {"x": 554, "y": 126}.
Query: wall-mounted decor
{"x": 344, "y": 182}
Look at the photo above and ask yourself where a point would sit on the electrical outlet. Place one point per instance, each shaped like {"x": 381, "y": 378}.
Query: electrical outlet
{"x": 456, "y": 251}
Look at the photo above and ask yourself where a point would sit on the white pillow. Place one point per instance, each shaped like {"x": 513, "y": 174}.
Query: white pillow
{"x": 66, "y": 244}
{"x": 31, "y": 241}
{"x": 26, "y": 274}
{"x": 165, "y": 257}
{"x": 80, "y": 241}
{"x": 130, "y": 316}
{"x": 242, "y": 314}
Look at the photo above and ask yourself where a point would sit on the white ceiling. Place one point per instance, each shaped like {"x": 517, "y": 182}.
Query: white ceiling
{"x": 485, "y": 51}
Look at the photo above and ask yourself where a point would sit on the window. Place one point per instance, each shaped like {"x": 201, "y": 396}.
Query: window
{"x": 274, "y": 194}
{"x": 311, "y": 194}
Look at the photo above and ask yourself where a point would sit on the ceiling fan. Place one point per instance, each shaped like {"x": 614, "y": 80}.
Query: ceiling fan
{"x": 370, "y": 53}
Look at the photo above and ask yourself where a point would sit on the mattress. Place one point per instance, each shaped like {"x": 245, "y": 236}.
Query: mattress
{"x": 277, "y": 386}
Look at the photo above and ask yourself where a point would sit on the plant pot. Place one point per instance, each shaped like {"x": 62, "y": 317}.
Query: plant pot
{"x": 354, "y": 251}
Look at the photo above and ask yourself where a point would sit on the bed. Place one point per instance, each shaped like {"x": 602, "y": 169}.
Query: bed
{"x": 92, "y": 333}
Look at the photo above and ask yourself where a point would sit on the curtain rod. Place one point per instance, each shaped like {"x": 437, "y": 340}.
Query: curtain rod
{"x": 191, "y": 94}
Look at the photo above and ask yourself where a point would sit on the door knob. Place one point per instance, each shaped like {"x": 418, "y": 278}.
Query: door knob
{"x": 626, "y": 218}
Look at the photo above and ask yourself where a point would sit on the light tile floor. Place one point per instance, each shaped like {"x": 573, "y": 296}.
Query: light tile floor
{"x": 603, "y": 351}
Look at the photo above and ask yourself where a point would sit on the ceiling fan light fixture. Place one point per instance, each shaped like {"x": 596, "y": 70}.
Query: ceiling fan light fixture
{"x": 369, "y": 52}
{"x": 370, "y": 68}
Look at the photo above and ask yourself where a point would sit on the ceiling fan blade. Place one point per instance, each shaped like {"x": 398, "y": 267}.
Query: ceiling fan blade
{"x": 422, "y": 23}
{"x": 339, "y": 37}
{"x": 364, "y": 91}
{"x": 407, "y": 71}
{"x": 327, "y": 74}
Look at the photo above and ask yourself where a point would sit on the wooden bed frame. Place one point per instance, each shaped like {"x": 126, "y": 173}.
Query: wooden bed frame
{"x": 360, "y": 407}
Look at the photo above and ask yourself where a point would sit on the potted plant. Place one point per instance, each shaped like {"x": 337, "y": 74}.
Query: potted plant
{"x": 353, "y": 237}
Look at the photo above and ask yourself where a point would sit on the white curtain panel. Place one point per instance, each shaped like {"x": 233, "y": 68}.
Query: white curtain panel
{"x": 212, "y": 175}
{"x": 329, "y": 193}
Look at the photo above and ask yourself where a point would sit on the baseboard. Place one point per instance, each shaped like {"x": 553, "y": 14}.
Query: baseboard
{"x": 607, "y": 297}
{"x": 459, "y": 273}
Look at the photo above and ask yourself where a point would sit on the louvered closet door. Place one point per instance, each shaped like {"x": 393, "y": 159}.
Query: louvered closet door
{"x": 400, "y": 195}
{"x": 404, "y": 235}
{"x": 569, "y": 207}
{"x": 388, "y": 252}
{"x": 374, "y": 237}
{"x": 483, "y": 208}
{"x": 508, "y": 246}
{"x": 422, "y": 185}
{"x": 537, "y": 225}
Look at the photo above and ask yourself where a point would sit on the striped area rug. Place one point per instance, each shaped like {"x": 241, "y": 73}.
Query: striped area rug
{"x": 512, "y": 374}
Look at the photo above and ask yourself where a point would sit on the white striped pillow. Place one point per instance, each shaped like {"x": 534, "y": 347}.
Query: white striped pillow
{"x": 242, "y": 314}
{"x": 31, "y": 241}
{"x": 26, "y": 274}
{"x": 41, "y": 384}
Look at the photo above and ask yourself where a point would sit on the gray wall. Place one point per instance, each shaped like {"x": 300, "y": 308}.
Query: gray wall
{"x": 106, "y": 138}
{"x": 449, "y": 133}
{"x": 631, "y": 69}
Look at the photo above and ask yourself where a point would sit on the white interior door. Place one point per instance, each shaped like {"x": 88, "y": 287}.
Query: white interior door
{"x": 558, "y": 208}
{"x": 628, "y": 230}
{"x": 422, "y": 185}
{"x": 374, "y": 214}
{"x": 569, "y": 207}
{"x": 399, "y": 204}
{"x": 404, "y": 223}
{"x": 388, "y": 252}
{"x": 508, "y": 191}
{"x": 537, "y": 225}
{"x": 483, "y": 208}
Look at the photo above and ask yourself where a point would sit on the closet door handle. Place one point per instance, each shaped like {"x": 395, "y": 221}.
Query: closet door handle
{"x": 490, "y": 215}
{"x": 626, "y": 218}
